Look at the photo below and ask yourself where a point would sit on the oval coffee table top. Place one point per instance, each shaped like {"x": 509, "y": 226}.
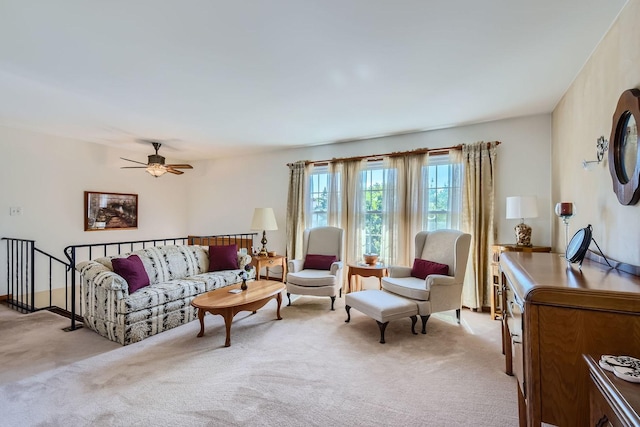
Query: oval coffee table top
{"x": 222, "y": 298}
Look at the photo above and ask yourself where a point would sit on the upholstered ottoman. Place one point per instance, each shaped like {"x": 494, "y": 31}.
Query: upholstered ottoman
{"x": 383, "y": 307}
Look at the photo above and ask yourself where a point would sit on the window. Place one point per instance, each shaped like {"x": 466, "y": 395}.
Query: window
{"x": 442, "y": 181}
{"x": 318, "y": 202}
{"x": 375, "y": 191}
{"x": 373, "y": 207}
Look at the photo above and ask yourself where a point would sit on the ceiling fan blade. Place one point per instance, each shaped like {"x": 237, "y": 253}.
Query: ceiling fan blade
{"x": 134, "y": 167}
{"x": 180, "y": 166}
{"x": 134, "y": 161}
{"x": 177, "y": 172}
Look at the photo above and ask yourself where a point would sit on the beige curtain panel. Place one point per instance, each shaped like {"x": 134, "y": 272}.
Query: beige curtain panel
{"x": 295, "y": 208}
{"x": 477, "y": 219}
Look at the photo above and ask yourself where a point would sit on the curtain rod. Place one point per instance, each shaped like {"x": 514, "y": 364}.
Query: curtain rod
{"x": 374, "y": 157}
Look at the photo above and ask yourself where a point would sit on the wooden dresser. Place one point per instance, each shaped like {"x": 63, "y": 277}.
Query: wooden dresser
{"x": 554, "y": 314}
{"x": 613, "y": 402}
{"x": 496, "y": 250}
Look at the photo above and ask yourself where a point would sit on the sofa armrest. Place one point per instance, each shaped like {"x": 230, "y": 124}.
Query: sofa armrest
{"x": 295, "y": 265}
{"x": 243, "y": 260}
{"x": 399, "y": 271}
{"x": 96, "y": 274}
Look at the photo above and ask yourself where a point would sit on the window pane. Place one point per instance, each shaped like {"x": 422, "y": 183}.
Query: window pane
{"x": 318, "y": 198}
{"x": 442, "y": 194}
{"x": 375, "y": 190}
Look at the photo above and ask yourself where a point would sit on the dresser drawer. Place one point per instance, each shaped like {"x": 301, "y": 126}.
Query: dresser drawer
{"x": 514, "y": 319}
{"x": 515, "y": 312}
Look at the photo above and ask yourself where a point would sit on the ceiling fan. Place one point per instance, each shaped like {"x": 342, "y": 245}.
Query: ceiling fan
{"x": 156, "y": 166}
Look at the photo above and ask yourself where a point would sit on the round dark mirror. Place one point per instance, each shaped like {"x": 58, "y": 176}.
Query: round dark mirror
{"x": 577, "y": 247}
{"x": 629, "y": 147}
{"x": 624, "y": 164}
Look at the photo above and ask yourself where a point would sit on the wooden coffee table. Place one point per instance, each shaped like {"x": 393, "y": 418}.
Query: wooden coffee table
{"x": 226, "y": 304}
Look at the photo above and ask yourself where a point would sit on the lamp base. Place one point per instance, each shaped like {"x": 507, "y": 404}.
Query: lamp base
{"x": 263, "y": 251}
{"x": 523, "y": 234}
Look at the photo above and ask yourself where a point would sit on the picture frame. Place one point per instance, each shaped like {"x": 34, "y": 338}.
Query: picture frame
{"x": 110, "y": 211}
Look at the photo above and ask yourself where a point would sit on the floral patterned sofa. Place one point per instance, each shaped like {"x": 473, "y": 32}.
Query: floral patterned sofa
{"x": 177, "y": 274}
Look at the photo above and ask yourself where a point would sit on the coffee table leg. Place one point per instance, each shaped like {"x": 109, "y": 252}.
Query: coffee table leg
{"x": 228, "y": 318}
{"x": 279, "y": 299}
{"x": 201, "y": 313}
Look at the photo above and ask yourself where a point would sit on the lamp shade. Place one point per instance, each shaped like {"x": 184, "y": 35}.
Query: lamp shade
{"x": 522, "y": 207}
{"x": 264, "y": 219}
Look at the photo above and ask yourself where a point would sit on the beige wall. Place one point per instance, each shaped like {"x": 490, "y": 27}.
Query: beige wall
{"x": 224, "y": 192}
{"x": 47, "y": 175}
{"x": 583, "y": 114}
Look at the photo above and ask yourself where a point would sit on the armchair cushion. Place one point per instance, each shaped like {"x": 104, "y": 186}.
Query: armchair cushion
{"x": 422, "y": 268}
{"x": 318, "y": 262}
{"x": 132, "y": 270}
{"x": 409, "y": 287}
{"x": 223, "y": 257}
{"x": 312, "y": 278}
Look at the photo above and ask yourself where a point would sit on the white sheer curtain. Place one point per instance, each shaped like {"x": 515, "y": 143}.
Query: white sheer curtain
{"x": 352, "y": 215}
{"x": 405, "y": 205}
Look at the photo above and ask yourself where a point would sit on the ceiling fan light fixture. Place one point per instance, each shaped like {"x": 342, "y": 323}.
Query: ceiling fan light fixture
{"x": 156, "y": 165}
{"x": 156, "y": 169}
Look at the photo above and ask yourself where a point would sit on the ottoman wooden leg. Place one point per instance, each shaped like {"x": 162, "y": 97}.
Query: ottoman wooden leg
{"x": 382, "y": 327}
{"x": 346, "y": 307}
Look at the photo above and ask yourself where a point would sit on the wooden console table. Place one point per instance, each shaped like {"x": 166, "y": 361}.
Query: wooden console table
{"x": 555, "y": 313}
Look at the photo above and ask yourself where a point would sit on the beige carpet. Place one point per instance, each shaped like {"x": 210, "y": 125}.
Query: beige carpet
{"x": 309, "y": 369}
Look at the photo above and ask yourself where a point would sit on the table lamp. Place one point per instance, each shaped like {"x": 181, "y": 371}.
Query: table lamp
{"x": 263, "y": 219}
{"x": 522, "y": 207}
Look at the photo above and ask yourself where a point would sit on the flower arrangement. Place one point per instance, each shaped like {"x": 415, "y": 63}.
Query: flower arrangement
{"x": 244, "y": 275}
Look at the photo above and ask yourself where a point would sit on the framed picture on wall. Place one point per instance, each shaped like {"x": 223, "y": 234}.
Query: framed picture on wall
{"x": 110, "y": 211}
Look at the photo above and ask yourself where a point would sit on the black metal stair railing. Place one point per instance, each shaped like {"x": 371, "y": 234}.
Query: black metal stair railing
{"x": 21, "y": 274}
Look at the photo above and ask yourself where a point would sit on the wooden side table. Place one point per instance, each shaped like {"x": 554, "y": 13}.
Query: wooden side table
{"x": 496, "y": 286}
{"x": 260, "y": 262}
{"x": 360, "y": 270}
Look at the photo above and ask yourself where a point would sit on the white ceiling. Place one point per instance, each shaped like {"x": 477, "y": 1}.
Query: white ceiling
{"x": 221, "y": 78}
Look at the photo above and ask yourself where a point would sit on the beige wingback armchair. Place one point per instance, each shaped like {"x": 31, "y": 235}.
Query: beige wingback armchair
{"x": 319, "y": 272}
{"x": 437, "y": 292}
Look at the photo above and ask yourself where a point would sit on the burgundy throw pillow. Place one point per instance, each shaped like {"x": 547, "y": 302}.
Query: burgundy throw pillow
{"x": 132, "y": 270}
{"x": 422, "y": 268}
{"x": 318, "y": 262}
{"x": 223, "y": 257}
